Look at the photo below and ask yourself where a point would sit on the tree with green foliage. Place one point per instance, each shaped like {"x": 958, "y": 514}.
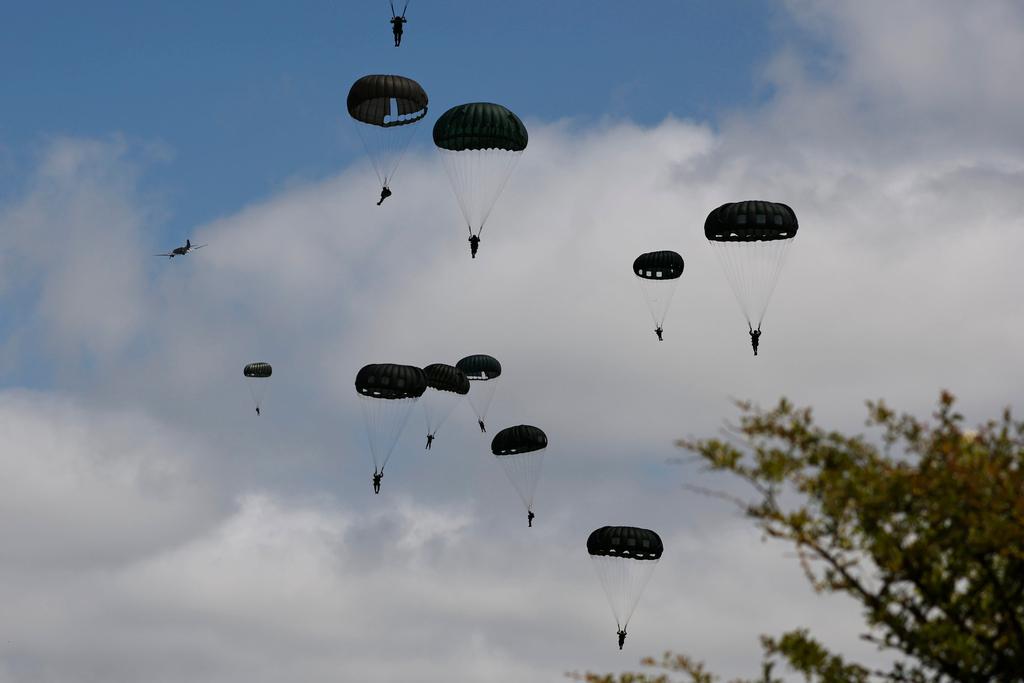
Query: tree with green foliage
{"x": 923, "y": 527}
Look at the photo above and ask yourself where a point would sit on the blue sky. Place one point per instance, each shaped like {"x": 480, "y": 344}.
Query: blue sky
{"x": 246, "y": 97}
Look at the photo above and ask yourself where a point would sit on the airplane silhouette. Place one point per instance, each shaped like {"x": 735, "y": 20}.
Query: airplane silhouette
{"x": 181, "y": 251}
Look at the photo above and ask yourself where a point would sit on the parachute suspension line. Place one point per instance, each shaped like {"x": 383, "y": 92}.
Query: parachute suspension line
{"x": 753, "y": 271}
{"x": 523, "y": 470}
{"x": 658, "y": 294}
{"x": 385, "y": 420}
{"x": 623, "y": 580}
{"x": 437, "y": 406}
{"x": 386, "y": 146}
{"x": 478, "y": 177}
{"x": 258, "y": 387}
{"x": 481, "y": 393}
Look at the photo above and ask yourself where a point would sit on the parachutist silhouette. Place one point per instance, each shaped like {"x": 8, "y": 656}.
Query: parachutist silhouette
{"x": 529, "y": 518}
{"x": 257, "y": 411}
{"x": 622, "y": 637}
{"x": 658, "y": 331}
{"x": 755, "y": 336}
{"x": 481, "y": 423}
{"x": 377, "y": 476}
{"x": 384, "y": 194}
{"x": 474, "y": 244}
{"x": 396, "y": 28}
{"x": 430, "y": 440}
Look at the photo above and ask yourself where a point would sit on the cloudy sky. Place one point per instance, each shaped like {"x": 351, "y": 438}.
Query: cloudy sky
{"x": 153, "y": 529}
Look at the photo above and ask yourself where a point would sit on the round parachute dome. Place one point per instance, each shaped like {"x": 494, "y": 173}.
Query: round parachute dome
{"x": 519, "y": 439}
{"x": 480, "y": 366}
{"x": 658, "y": 265}
{"x": 257, "y": 370}
{"x": 628, "y": 542}
{"x": 369, "y": 100}
{"x": 446, "y": 378}
{"x": 751, "y": 221}
{"x": 390, "y": 381}
{"x": 480, "y": 125}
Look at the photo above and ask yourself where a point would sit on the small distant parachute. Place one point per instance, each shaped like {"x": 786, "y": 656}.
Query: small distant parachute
{"x": 257, "y": 377}
{"x": 624, "y": 558}
{"x": 386, "y": 109}
{"x": 751, "y": 239}
{"x": 658, "y": 273}
{"x": 387, "y": 393}
{"x": 480, "y": 144}
{"x": 483, "y": 372}
{"x": 520, "y": 450}
{"x": 446, "y": 385}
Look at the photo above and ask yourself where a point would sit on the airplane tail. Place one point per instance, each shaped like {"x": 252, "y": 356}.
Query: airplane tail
{"x": 188, "y": 243}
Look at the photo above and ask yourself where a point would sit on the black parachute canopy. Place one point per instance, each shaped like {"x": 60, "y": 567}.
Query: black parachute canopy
{"x": 446, "y": 378}
{"x": 750, "y": 221}
{"x": 519, "y": 439}
{"x": 625, "y": 541}
{"x": 658, "y": 265}
{"x": 369, "y": 100}
{"x": 480, "y": 366}
{"x": 480, "y": 125}
{"x": 257, "y": 370}
{"x": 390, "y": 381}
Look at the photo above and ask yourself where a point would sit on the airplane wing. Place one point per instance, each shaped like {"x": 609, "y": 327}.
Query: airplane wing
{"x": 167, "y": 254}
{"x": 199, "y": 246}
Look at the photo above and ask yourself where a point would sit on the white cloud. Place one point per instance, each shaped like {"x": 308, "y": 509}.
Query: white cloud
{"x": 206, "y": 545}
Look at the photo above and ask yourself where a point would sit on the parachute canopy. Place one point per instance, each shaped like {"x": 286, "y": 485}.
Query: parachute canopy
{"x": 480, "y": 367}
{"x": 370, "y": 100}
{"x": 626, "y": 542}
{"x": 658, "y": 265}
{"x": 750, "y": 221}
{"x": 518, "y": 439}
{"x": 390, "y": 381}
{"x": 480, "y": 125}
{"x": 257, "y": 370}
{"x": 446, "y": 378}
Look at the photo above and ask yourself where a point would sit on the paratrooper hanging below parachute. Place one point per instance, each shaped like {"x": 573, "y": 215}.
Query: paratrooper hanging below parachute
{"x": 520, "y": 450}
{"x": 387, "y": 393}
{"x": 483, "y": 372}
{"x": 658, "y": 273}
{"x": 386, "y": 109}
{"x": 624, "y": 558}
{"x": 397, "y": 21}
{"x": 480, "y": 143}
{"x": 751, "y": 239}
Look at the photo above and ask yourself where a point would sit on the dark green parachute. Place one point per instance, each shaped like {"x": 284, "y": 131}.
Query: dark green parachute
{"x": 658, "y": 273}
{"x": 518, "y": 439}
{"x": 257, "y": 370}
{"x": 751, "y": 239}
{"x": 385, "y": 108}
{"x": 658, "y": 265}
{"x": 483, "y": 372}
{"x": 387, "y": 393}
{"x": 480, "y": 367}
{"x": 520, "y": 450}
{"x": 625, "y": 541}
{"x": 386, "y": 100}
{"x": 390, "y": 381}
{"x": 480, "y": 143}
{"x": 446, "y": 385}
{"x": 624, "y": 558}
{"x": 446, "y": 378}
{"x": 480, "y": 125}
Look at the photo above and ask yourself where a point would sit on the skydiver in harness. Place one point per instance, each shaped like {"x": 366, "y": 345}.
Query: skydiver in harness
{"x": 474, "y": 244}
{"x": 658, "y": 331}
{"x": 622, "y": 637}
{"x": 396, "y": 23}
{"x": 430, "y": 440}
{"x": 384, "y": 194}
{"x": 481, "y": 423}
{"x": 755, "y": 336}
{"x": 529, "y": 518}
{"x": 257, "y": 411}
{"x": 377, "y": 476}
